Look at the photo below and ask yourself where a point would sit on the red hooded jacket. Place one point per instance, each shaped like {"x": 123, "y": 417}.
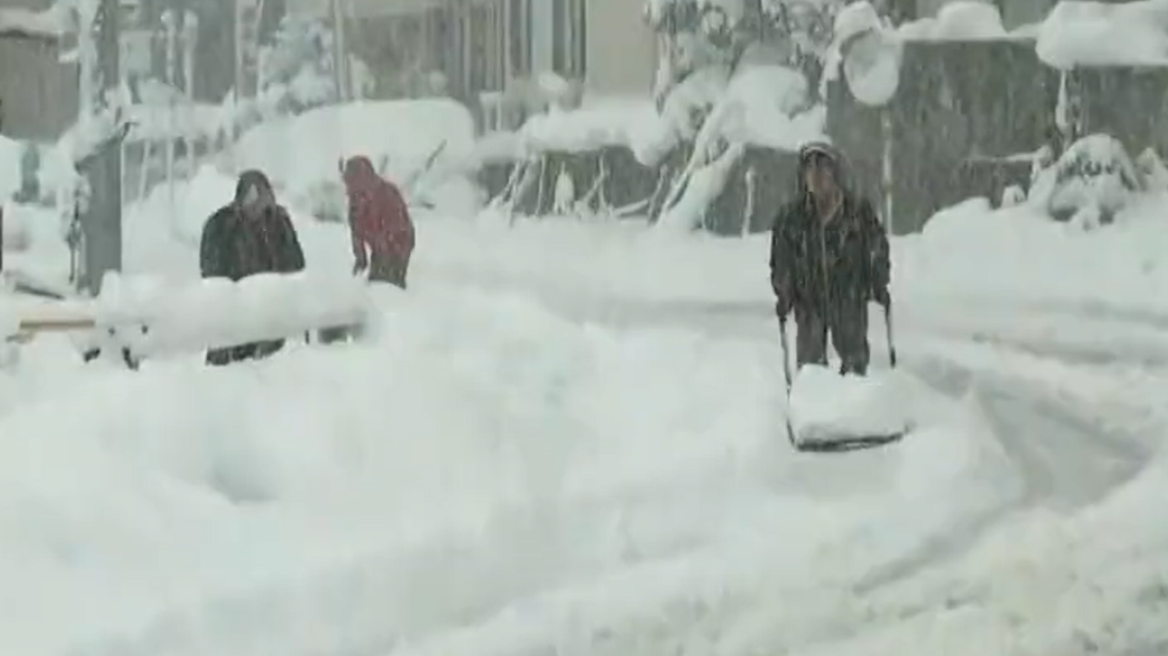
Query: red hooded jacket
{"x": 378, "y": 216}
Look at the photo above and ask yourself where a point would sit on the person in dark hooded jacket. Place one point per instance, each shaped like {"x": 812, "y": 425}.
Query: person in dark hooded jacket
{"x": 253, "y": 234}
{"x": 829, "y": 258}
{"x": 379, "y": 224}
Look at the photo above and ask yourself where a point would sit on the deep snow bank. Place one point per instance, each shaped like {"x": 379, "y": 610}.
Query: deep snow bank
{"x": 968, "y": 252}
{"x": 1018, "y": 254}
{"x": 304, "y": 152}
{"x": 163, "y": 240}
{"x": 368, "y": 493}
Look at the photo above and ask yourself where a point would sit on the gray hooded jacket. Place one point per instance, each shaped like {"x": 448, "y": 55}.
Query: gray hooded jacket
{"x": 818, "y": 264}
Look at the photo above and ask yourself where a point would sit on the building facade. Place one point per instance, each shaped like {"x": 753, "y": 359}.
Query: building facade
{"x": 469, "y": 49}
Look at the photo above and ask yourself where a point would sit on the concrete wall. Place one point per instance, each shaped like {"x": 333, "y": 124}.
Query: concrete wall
{"x": 622, "y": 49}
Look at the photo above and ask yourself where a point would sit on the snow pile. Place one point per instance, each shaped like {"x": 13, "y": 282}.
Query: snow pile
{"x": 337, "y": 493}
{"x": 826, "y": 406}
{"x": 163, "y": 240}
{"x": 1122, "y": 265}
{"x": 299, "y": 153}
{"x": 1100, "y": 34}
{"x": 159, "y": 120}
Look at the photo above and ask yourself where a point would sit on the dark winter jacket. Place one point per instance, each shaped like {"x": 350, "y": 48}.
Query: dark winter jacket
{"x": 235, "y": 246}
{"x": 379, "y": 220}
{"x": 815, "y": 264}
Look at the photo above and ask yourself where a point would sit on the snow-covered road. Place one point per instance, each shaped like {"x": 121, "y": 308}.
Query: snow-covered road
{"x": 535, "y": 460}
{"x": 1071, "y": 396}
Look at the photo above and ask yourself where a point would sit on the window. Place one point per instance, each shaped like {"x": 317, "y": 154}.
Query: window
{"x": 519, "y": 36}
{"x": 569, "y": 38}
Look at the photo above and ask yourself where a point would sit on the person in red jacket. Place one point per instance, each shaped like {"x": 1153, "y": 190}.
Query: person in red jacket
{"x": 379, "y": 222}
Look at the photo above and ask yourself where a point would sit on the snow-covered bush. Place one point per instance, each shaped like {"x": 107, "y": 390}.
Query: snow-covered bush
{"x": 301, "y": 59}
{"x": 701, "y": 33}
{"x": 1152, "y": 171}
{"x": 736, "y": 73}
{"x": 1090, "y": 183}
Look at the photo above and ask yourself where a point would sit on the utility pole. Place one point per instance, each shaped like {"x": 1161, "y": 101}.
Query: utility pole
{"x": 101, "y": 223}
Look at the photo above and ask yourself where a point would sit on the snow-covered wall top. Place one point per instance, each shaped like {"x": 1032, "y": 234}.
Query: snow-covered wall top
{"x": 51, "y": 23}
{"x": 959, "y": 20}
{"x": 1095, "y": 33}
{"x": 1080, "y": 33}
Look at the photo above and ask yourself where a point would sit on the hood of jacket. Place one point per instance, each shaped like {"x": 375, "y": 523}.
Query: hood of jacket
{"x": 359, "y": 173}
{"x": 834, "y": 157}
{"x": 253, "y": 180}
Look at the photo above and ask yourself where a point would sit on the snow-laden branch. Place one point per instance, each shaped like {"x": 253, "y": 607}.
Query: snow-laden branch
{"x": 48, "y": 25}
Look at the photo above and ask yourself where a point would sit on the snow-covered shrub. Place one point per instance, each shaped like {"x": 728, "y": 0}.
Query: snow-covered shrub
{"x": 736, "y": 74}
{"x": 701, "y": 33}
{"x": 301, "y": 58}
{"x": 759, "y": 105}
{"x": 1091, "y": 182}
{"x": 1152, "y": 171}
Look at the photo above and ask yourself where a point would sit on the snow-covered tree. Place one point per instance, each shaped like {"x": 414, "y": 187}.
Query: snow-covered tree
{"x": 698, "y": 33}
{"x": 1092, "y": 181}
{"x": 735, "y": 74}
{"x": 301, "y": 58}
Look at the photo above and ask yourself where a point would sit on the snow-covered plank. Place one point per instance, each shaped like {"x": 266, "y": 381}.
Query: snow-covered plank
{"x": 150, "y": 319}
{"x": 219, "y": 312}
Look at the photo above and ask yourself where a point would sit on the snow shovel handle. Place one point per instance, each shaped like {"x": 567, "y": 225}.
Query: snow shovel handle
{"x": 888, "y": 334}
{"x": 786, "y": 353}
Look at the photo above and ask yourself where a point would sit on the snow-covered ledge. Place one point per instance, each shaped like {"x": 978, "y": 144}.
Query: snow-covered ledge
{"x": 49, "y": 24}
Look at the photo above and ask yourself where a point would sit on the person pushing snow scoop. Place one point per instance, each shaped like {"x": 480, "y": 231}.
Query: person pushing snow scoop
{"x": 829, "y": 259}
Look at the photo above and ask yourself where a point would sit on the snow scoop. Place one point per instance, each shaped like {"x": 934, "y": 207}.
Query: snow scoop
{"x": 846, "y": 443}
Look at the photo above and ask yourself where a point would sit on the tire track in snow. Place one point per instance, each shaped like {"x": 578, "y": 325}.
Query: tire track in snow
{"x": 1067, "y": 460}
